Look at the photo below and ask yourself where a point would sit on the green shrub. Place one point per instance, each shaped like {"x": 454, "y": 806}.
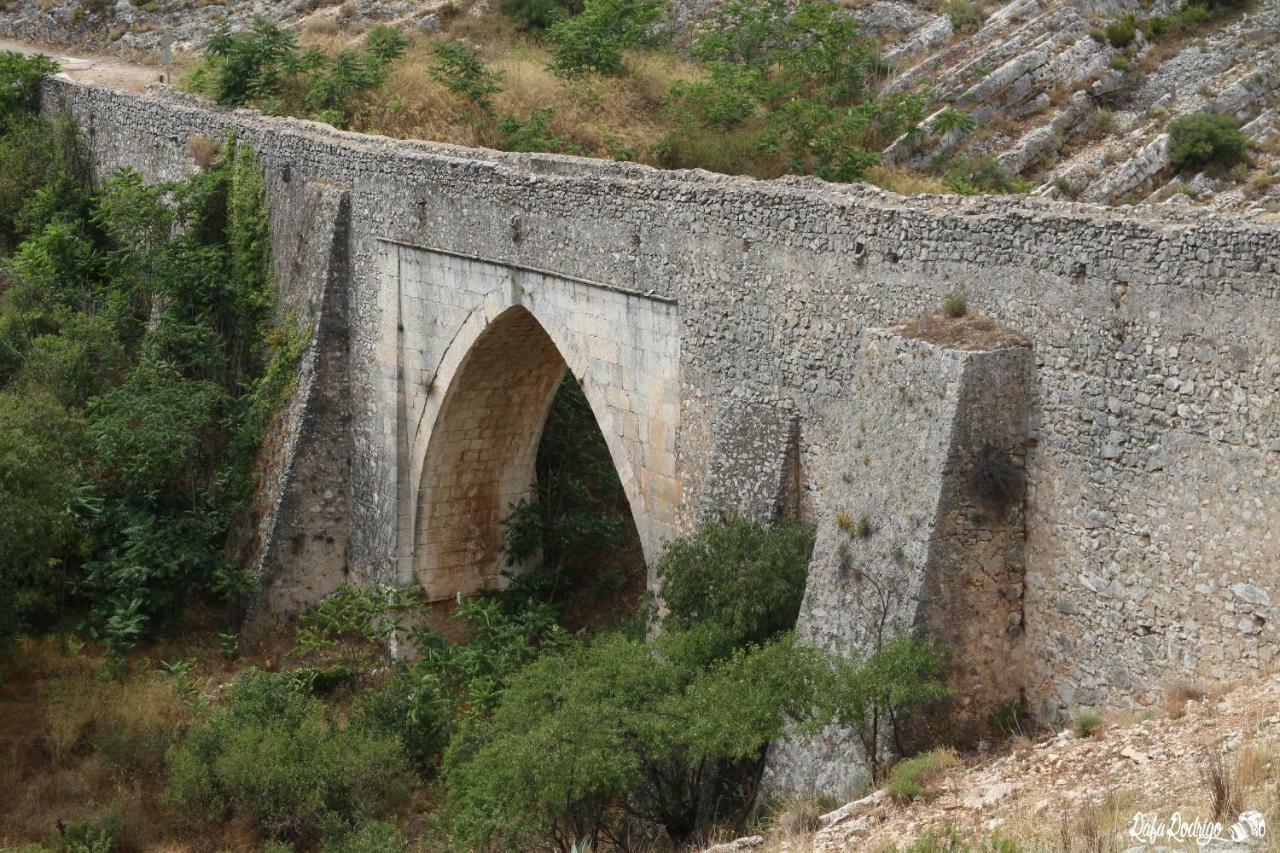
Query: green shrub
{"x": 797, "y": 79}
{"x": 335, "y": 83}
{"x": 1121, "y": 33}
{"x": 740, "y": 580}
{"x": 461, "y": 69}
{"x": 418, "y": 705}
{"x": 150, "y": 431}
{"x": 594, "y": 39}
{"x": 371, "y": 837}
{"x": 953, "y": 120}
{"x": 41, "y": 448}
{"x": 910, "y": 778}
{"x": 415, "y": 707}
{"x": 539, "y": 14}
{"x": 1190, "y": 18}
{"x": 1088, "y": 723}
{"x": 271, "y": 756}
{"x": 503, "y": 637}
{"x": 985, "y": 175}
{"x": 955, "y": 305}
{"x": 532, "y": 134}
{"x": 966, "y": 16}
{"x": 1205, "y": 139}
{"x": 80, "y": 362}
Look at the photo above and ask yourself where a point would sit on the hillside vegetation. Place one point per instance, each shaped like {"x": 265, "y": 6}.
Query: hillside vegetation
{"x": 1078, "y": 101}
{"x": 759, "y": 91}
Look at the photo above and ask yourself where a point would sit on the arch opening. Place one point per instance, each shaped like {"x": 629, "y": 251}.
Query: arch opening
{"x": 511, "y": 394}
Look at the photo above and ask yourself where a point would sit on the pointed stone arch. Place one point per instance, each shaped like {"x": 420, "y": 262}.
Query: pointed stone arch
{"x": 475, "y": 413}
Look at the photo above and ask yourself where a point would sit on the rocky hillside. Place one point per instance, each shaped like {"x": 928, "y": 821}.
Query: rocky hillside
{"x": 1069, "y": 792}
{"x": 1056, "y": 102}
{"x": 1069, "y": 107}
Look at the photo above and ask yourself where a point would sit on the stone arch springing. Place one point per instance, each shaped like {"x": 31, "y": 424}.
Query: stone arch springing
{"x": 480, "y": 458}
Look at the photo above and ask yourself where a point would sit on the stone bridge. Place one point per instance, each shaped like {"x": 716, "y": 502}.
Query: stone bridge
{"x": 740, "y": 345}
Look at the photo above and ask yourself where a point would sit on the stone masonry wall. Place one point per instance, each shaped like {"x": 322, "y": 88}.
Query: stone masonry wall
{"x": 1153, "y": 474}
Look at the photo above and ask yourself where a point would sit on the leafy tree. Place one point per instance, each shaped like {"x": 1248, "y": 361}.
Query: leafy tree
{"x": 150, "y": 432}
{"x": 578, "y": 516}
{"x": 81, "y": 361}
{"x": 1206, "y": 139}
{"x": 43, "y": 176}
{"x": 263, "y": 66}
{"x": 460, "y": 69}
{"x": 608, "y": 739}
{"x": 875, "y": 694}
{"x": 20, "y": 77}
{"x": 41, "y": 445}
{"x": 609, "y": 742}
{"x": 249, "y": 66}
{"x": 594, "y": 39}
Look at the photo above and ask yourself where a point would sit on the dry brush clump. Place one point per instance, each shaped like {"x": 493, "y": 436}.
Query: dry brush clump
{"x": 1098, "y": 826}
{"x": 1178, "y": 693}
{"x": 1223, "y": 785}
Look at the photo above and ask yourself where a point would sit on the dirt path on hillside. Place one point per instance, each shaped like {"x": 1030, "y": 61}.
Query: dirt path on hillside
{"x": 102, "y": 70}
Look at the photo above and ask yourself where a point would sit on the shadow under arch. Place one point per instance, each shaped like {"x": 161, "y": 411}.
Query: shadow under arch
{"x": 480, "y": 458}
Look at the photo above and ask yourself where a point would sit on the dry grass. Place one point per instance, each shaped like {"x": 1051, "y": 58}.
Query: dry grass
{"x": 77, "y": 745}
{"x": 1098, "y": 827}
{"x": 204, "y": 149}
{"x": 790, "y": 825}
{"x": 1178, "y": 693}
{"x": 1246, "y": 780}
{"x": 617, "y": 117}
{"x": 1223, "y": 784}
{"x": 969, "y": 332}
{"x": 906, "y": 181}
{"x": 83, "y": 740}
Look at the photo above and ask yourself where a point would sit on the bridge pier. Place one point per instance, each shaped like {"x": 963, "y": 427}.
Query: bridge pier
{"x": 922, "y": 529}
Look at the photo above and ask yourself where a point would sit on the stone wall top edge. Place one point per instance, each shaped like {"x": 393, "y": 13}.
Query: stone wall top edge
{"x": 849, "y": 198}
{"x": 902, "y": 338}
